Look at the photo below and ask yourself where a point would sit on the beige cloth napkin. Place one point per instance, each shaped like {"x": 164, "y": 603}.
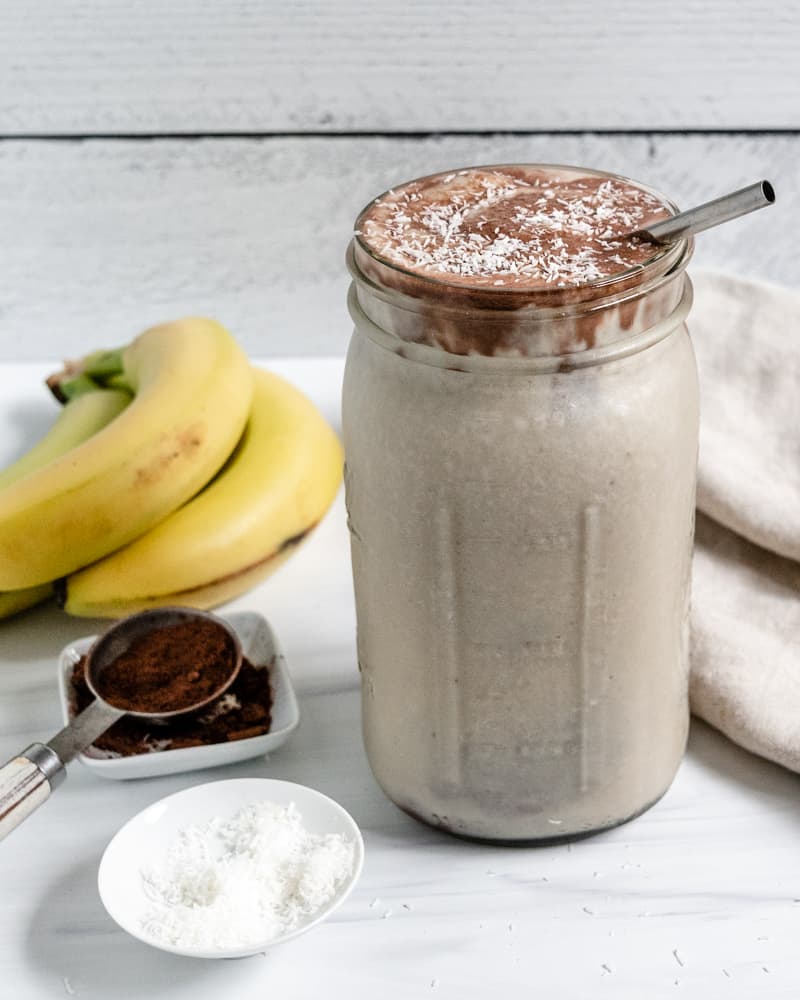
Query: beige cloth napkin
{"x": 745, "y": 624}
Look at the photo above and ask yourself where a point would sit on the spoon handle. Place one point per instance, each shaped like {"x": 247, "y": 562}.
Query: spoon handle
{"x": 83, "y": 729}
{"x": 26, "y": 782}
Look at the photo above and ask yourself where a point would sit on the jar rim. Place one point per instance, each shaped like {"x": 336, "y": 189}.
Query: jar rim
{"x": 533, "y": 311}
{"x": 666, "y": 256}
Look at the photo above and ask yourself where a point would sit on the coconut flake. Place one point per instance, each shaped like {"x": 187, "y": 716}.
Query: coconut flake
{"x": 239, "y": 882}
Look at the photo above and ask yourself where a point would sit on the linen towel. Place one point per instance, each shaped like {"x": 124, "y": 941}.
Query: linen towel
{"x": 745, "y": 619}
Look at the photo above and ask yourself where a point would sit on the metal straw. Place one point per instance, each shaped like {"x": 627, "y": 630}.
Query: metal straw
{"x": 712, "y": 213}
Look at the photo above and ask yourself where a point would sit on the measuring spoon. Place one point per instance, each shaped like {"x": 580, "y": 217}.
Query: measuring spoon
{"x": 27, "y": 780}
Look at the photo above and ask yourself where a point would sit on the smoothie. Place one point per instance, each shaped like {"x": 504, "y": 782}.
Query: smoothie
{"x": 520, "y": 423}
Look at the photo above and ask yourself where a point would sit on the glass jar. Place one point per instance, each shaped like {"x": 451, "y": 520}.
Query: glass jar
{"x": 520, "y": 478}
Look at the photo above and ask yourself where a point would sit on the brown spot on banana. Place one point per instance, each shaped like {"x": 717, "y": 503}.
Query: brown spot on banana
{"x": 185, "y": 444}
{"x": 294, "y": 540}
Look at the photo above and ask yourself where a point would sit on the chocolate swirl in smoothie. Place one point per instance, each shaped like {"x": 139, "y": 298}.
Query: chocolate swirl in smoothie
{"x": 503, "y": 240}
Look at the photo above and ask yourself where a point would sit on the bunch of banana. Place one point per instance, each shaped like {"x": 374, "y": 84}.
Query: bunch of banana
{"x": 191, "y": 387}
{"x": 200, "y": 488}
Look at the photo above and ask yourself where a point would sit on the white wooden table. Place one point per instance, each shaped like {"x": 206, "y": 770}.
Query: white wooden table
{"x": 699, "y": 898}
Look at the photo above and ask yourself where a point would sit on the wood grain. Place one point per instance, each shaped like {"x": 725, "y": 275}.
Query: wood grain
{"x": 102, "y": 238}
{"x": 198, "y": 66}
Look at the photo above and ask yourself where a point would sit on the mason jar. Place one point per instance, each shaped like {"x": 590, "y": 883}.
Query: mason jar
{"x": 520, "y": 484}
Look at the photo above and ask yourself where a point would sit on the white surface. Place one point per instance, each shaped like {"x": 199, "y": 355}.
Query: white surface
{"x": 101, "y": 239}
{"x": 144, "y": 840}
{"x": 262, "y": 649}
{"x": 102, "y": 66}
{"x": 698, "y": 898}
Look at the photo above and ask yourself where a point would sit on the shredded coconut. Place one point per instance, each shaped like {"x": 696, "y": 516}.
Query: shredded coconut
{"x": 529, "y": 226}
{"x": 234, "y": 883}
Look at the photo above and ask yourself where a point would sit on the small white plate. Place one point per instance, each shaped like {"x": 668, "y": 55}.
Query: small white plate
{"x": 143, "y": 841}
{"x": 261, "y": 647}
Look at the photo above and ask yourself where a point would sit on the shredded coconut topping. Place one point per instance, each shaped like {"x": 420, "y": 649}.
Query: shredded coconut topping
{"x": 240, "y": 882}
{"x": 512, "y": 227}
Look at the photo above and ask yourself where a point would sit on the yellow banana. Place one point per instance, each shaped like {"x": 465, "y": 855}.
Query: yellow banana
{"x": 276, "y": 486}
{"x": 12, "y": 602}
{"x": 192, "y": 387}
{"x": 78, "y": 420}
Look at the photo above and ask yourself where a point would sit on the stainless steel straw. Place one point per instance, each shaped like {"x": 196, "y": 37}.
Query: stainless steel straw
{"x": 712, "y": 213}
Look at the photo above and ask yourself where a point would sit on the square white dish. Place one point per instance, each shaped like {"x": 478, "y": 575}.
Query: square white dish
{"x": 261, "y": 647}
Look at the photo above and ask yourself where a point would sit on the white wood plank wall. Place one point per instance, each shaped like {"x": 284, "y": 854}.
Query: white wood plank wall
{"x": 113, "y": 66}
{"x": 209, "y": 156}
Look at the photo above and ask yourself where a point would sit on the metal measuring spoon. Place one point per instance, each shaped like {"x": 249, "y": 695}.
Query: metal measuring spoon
{"x": 27, "y": 780}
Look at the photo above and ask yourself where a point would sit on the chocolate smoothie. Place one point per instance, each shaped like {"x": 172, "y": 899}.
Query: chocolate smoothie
{"x": 520, "y": 423}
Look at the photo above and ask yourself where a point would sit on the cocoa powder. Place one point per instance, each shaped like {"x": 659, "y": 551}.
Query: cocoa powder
{"x": 243, "y": 711}
{"x": 169, "y": 669}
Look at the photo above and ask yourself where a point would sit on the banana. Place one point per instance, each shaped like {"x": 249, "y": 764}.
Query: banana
{"x": 78, "y": 420}
{"x": 12, "y": 602}
{"x": 192, "y": 387}
{"x": 276, "y": 486}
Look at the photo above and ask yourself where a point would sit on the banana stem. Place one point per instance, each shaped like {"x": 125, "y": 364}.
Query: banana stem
{"x": 98, "y": 370}
{"x": 73, "y": 387}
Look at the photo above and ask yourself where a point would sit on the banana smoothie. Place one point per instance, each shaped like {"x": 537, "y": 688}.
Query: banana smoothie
{"x": 520, "y": 424}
